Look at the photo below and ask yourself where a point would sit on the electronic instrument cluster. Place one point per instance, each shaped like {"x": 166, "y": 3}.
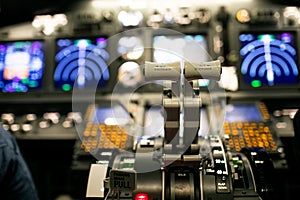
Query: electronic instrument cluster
{"x": 48, "y": 82}
{"x": 100, "y": 47}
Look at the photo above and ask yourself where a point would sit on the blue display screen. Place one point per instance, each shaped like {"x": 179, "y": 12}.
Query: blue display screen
{"x": 242, "y": 113}
{"x": 81, "y": 63}
{"x": 111, "y": 115}
{"x": 269, "y": 59}
{"x": 21, "y": 66}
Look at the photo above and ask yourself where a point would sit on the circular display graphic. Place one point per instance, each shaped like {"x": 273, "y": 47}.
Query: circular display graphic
{"x": 268, "y": 59}
{"x": 81, "y": 61}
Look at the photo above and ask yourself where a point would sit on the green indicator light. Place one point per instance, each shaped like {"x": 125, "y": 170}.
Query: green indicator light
{"x": 127, "y": 165}
{"x": 18, "y": 45}
{"x": 266, "y": 37}
{"x": 82, "y": 42}
{"x": 66, "y": 87}
{"x": 255, "y": 83}
{"x": 235, "y": 161}
{"x": 25, "y": 81}
{"x": 33, "y": 84}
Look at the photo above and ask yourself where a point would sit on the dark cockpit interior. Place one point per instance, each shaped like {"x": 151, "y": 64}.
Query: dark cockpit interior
{"x": 160, "y": 100}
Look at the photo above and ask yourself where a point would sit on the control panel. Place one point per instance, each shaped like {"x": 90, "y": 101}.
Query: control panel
{"x": 93, "y": 76}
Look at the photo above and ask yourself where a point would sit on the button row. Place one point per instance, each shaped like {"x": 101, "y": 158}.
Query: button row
{"x": 28, "y": 122}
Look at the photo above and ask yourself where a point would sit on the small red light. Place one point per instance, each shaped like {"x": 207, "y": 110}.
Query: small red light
{"x": 141, "y": 196}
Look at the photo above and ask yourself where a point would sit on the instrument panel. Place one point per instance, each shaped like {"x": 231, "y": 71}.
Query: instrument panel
{"x": 22, "y": 65}
{"x": 67, "y": 85}
{"x": 97, "y": 53}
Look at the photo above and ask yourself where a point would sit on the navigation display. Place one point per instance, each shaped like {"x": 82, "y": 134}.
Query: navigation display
{"x": 81, "y": 63}
{"x": 21, "y": 66}
{"x": 269, "y": 59}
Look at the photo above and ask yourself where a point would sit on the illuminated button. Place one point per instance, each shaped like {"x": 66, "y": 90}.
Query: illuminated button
{"x": 86, "y": 133}
{"x": 260, "y": 144}
{"x": 243, "y": 145}
{"x": 15, "y": 127}
{"x": 235, "y": 132}
{"x": 44, "y": 124}
{"x": 53, "y": 116}
{"x": 141, "y": 196}
{"x": 26, "y": 127}
{"x": 67, "y": 124}
{"x": 239, "y": 125}
{"x": 30, "y": 117}
{"x": 253, "y": 125}
{"x": 94, "y": 133}
{"x": 202, "y": 15}
{"x": 256, "y": 83}
{"x": 66, "y": 87}
{"x": 251, "y": 133}
{"x": 243, "y": 16}
{"x": 168, "y": 17}
{"x": 266, "y": 144}
{"x": 184, "y": 16}
{"x": 256, "y": 133}
{"x": 76, "y": 116}
{"x": 124, "y": 137}
{"x": 113, "y": 138}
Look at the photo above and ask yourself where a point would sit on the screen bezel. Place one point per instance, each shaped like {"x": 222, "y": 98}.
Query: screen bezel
{"x": 42, "y": 87}
{"x": 113, "y": 74}
{"x": 243, "y": 86}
